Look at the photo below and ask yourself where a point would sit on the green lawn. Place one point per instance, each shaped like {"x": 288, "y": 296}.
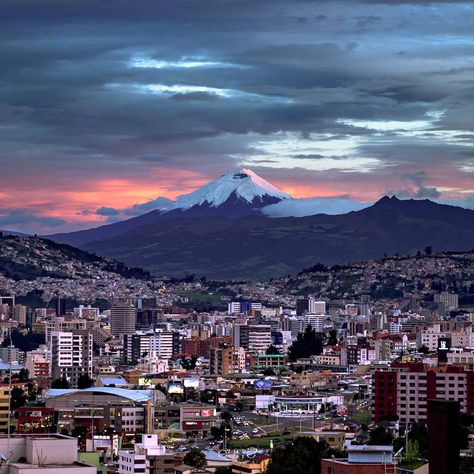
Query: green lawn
{"x": 263, "y": 442}
{"x": 363, "y": 417}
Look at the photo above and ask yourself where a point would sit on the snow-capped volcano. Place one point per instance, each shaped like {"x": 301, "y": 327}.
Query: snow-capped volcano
{"x": 240, "y": 185}
{"x": 234, "y": 195}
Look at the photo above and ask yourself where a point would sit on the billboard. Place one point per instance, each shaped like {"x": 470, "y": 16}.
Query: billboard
{"x": 191, "y": 382}
{"x": 263, "y": 384}
{"x": 444, "y": 344}
{"x": 175, "y": 388}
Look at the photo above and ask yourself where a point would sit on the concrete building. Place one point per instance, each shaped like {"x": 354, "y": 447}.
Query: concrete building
{"x": 37, "y": 363}
{"x": 404, "y": 390}
{"x": 123, "y": 317}
{"x": 314, "y": 320}
{"x": 20, "y": 314}
{"x": 226, "y": 360}
{"x": 148, "y": 457}
{"x": 362, "y": 459}
{"x": 71, "y": 355}
{"x": 11, "y": 354}
{"x": 49, "y": 454}
{"x": 253, "y": 337}
{"x": 449, "y": 300}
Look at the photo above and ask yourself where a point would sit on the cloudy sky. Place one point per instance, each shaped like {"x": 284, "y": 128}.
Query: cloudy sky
{"x": 108, "y": 105}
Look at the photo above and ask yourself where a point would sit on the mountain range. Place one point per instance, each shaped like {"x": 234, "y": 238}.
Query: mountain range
{"x": 221, "y": 231}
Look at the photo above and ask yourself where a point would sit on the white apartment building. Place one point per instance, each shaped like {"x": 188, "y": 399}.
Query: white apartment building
{"x": 411, "y": 397}
{"x": 148, "y": 457}
{"x": 71, "y": 355}
{"x": 314, "y": 320}
{"x": 252, "y": 337}
{"x": 161, "y": 345}
{"x": 315, "y": 306}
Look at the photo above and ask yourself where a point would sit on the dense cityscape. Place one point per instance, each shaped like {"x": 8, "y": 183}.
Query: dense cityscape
{"x": 236, "y": 237}
{"x": 190, "y": 375}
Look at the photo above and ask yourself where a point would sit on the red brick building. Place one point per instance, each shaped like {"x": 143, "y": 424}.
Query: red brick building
{"x": 403, "y": 390}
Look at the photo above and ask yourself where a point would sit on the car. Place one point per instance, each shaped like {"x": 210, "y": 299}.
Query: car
{"x": 255, "y": 431}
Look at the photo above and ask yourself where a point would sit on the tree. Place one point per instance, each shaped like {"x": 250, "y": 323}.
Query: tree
{"x": 332, "y": 340}
{"x": 79, "y": 431}
{"x": 302, "y": 455}
{"x": 419, "y": 432}
{"x": 18, "y": 398}
{"x": 188, "y": 363}
{"x": 424, "y": 349}
{"x": 269, "y": 372}
{"x": 307, "y": 344}
{"x": 239, "y": 405}
{"x": 195, "y": 458}
{"x": 63, "y": 382}
{"x": 271, "y": 349}
{"x": 380, "y": 436}
{"x": 84, "y": 381}
{"x": 23, "y": 375}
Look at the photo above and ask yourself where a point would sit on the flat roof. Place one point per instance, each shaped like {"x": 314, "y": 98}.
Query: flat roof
{"x": 367, "y": 447}
{"x": 134, "y": 395}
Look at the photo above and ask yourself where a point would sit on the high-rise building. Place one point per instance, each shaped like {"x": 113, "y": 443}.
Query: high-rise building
{"x": 253, "y": 337}
{"x": 293, "y": 325}
{"x": 123, "y": 317}
{"x": 226, "y": 360}
{"x": 156, "y": 345}
{"x": 12, "y": 354}
{"x": 443, "y": 436}
{"x": 449, "y": 300}
{"x": 405, "y": 389}
{"x": 243, "y": 307}
{"x": 310, "y": 305}
{"x": 136, "y": 346}
{"x": 71, "y": 355}
{"x": 314, "y": 320}
{"x": 20, "y": 314}
{"x": 163, "y": 344}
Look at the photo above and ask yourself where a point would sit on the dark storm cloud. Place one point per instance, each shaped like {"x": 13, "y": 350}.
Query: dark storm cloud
{"x": 74, "y": 103}
{"x": 22, "y": 220}
{"x": 107, "y": 211}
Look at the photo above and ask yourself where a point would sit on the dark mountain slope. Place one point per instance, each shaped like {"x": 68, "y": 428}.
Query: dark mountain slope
{"x": 256, "y": 248}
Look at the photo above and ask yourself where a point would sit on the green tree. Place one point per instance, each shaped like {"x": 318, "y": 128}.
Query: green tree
{"x": 79, "y": 431}
{"x": 271, "y": 349}
{"x": 63, "y": 382}
{"x": 332, "y": 339}
{"x": 84, "y": 381}
{"x": 419, "y": 432}
{"x": 380, "y": 436}
{"x": 23, "y": 375}
{"x": 18, "y": 398}
{"x": 188, "y": 363}
{"x": 307, "y": 344}
{"x": 195, "y": 458}
{"x": 423, "y": 349}
{"x": 303, "y": 455}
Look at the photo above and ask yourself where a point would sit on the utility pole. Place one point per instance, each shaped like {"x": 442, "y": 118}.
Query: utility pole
{"x": 9, "y": 395}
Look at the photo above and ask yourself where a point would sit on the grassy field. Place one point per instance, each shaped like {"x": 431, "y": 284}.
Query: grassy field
{"x": 364, "y": 417}
{"x": 263, "y": 442}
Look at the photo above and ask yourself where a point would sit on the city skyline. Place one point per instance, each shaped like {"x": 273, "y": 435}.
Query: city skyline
{"x": 106, "y": 107}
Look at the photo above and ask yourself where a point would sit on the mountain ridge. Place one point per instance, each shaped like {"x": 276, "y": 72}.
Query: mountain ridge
{"x": 219, "y": 231}
{"x": 257, "y": 248}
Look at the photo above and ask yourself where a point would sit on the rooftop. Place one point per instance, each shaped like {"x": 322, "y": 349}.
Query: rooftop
{"x": 134, "y": 395}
